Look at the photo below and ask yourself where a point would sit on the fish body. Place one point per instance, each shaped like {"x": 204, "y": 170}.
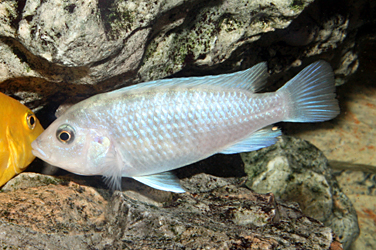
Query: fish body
{"x": 18, "y": 129}
{"x": 145, "y": 130}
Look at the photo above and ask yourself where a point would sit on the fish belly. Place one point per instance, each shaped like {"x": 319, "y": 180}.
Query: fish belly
{"x": 162, "y": 131}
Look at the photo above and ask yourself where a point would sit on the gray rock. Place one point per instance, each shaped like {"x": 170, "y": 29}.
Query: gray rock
{"x": 30, "y": 180}
{"x": 48, "y": 57}
{"x": 212, "y": 35}
{"x": 295, "y": 170}
{"x": 78, "y": 215}
{"x": 109, "y": 38}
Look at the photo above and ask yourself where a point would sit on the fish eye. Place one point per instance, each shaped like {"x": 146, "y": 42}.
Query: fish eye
{"x": 65, "y": 134}
{"x": 31, "y": 120}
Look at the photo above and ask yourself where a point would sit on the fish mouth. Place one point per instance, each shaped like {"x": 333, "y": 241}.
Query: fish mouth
{"x": 37, "y": 151}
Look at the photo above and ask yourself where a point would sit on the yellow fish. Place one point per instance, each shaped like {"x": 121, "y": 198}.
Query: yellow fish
{"x": 18, "y": 128}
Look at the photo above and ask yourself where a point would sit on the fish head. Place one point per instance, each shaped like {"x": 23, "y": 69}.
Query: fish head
{"x": 20, "y": 133}
{"x": 31, "y": 125}
{"x": 74, "y": 147}
{"x": 18, "y": 129}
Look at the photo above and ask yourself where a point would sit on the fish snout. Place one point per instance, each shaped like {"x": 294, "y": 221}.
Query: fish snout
{"x": 37, "y": 150}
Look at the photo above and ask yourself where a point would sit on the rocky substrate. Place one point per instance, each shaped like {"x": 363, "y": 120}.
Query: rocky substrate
{"x": 42, "y": 212}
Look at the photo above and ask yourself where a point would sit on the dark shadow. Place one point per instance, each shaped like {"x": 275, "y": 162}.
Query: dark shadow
{"x": 220, "y": 165}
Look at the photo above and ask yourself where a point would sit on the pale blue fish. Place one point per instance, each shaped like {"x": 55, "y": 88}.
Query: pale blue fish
{"x": 147, "y": 129}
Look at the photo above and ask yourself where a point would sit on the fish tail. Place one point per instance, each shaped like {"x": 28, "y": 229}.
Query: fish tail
{"x": 311, "y": 94}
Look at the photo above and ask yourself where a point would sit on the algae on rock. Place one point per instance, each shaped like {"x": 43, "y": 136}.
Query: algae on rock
{"x": 295, "y": 170}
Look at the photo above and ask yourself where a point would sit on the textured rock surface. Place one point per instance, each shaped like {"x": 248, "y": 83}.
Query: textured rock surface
{"x": 221, "y": 215}
{"x": 295, "y": 170}
{"x": 48, "y": 57}
{"x": 361, "y": 189}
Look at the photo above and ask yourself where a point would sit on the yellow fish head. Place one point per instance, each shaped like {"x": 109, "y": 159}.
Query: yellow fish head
{"x": 19, "y": 129}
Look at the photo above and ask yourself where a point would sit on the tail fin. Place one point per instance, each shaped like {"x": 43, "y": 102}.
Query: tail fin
{"x": 311, "y": 93}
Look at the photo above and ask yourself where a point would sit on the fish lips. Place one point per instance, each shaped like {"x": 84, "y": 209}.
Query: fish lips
{"x": 37, "y": 151}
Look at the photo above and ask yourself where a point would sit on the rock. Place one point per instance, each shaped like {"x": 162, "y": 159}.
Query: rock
{"x": 361, "y": 189}
{"x": 68, "y": 215}
{"x": 295, "y": 170}
{"x": 50, "y": 216}
{"x": 105, "y": 39}
{"x": 93, "y": 46}
{"x": 30, "y": 180}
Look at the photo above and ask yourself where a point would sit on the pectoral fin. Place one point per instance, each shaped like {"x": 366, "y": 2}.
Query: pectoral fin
{"x": 165, "y": 181}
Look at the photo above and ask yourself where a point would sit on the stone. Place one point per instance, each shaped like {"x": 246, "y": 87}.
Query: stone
{"x": 360, "y": 187}
{"x": 295, "y": 170}
{"x": 90, "y": 46}
{"x": 30, "y": 180}
{"x": 78, "y": 213}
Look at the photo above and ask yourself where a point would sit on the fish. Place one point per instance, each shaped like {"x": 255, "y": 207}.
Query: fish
{"x": 18, "y": 129}
{"x": 145, "y": 130}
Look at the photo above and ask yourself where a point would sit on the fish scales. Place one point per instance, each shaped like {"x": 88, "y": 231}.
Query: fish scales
{"x": 145, "y": 130}
{"x": 178, "y": 127}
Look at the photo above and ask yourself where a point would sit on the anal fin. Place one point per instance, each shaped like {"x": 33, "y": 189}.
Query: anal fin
{"x": 260, "y": 139}
{"x": 165, "y": 181}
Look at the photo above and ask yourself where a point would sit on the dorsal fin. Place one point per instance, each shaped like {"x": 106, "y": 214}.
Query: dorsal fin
{"x": 252, "y": 79}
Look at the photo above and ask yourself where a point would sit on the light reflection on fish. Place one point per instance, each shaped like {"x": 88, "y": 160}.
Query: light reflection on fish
{"x": 18, "y": 128}
{"x": 147, "y": 129}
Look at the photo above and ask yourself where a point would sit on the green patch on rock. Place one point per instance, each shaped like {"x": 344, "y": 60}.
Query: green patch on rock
{"x": 117, "y": 20}
{"x": 192, "y": 43}
{"x": 297, "y": 5}
{"x": 230, "y": 24}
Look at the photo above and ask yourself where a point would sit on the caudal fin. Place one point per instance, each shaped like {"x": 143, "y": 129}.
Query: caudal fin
{"x": 311, "y": 94}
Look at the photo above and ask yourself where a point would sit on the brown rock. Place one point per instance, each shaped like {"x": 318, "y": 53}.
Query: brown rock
{"x": 67, "y": 215}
